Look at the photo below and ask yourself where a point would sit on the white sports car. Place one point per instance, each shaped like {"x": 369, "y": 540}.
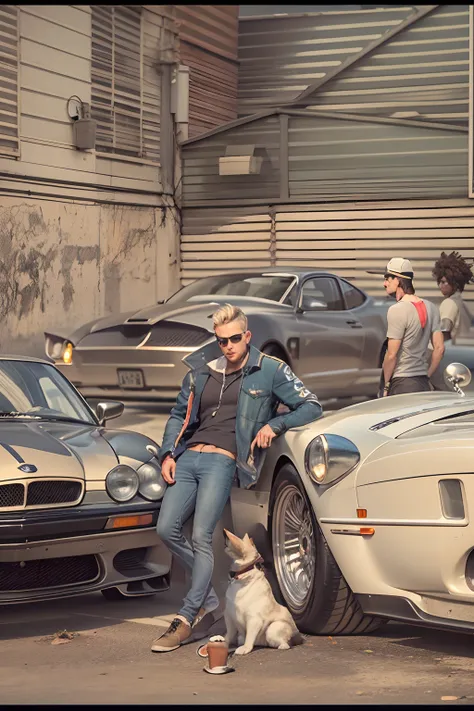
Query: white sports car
{"x": 369, "y": 513}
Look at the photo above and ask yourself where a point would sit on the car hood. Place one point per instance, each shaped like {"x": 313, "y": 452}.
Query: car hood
{"x": 196, "y": 312}
{"x": 55, "y": 450}
{"x": 394, "y": 415}
{"x": 191, "y": 314}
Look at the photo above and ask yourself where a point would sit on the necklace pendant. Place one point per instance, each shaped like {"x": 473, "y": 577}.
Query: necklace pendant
{"x": 214, "y": 413}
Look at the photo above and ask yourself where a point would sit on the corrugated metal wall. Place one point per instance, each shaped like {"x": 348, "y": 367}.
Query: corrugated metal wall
{"x": 331, "y": 158}
{"x": 281, "y": 56}
{"x": 201, "y": 179}
{"x": 350, "y": 159}
{"x": 214, "y": 241}
{"x": 424, "y": 69}
{"x": 347, "y": 239}
{"x": 336, "y": 163}
{"x": 208, "y": 38}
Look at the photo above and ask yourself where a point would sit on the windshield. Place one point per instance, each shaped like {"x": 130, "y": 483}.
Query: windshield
{"x": 38, "y": 391}
{"x": 262, "y": 286}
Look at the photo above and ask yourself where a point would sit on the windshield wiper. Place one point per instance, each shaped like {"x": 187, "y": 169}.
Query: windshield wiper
{"x": 68, "y": 419}
{"x": 34, "y": 416}
{"x": 20, "y": 414}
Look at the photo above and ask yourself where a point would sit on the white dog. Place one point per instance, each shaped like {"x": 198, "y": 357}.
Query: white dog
{"x": 252, "y": 614}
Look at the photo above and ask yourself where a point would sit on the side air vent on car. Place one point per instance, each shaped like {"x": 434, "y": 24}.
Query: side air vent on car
{"x": 452, "y": 504}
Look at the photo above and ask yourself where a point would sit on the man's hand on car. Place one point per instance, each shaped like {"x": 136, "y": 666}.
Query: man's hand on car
{"x": 264, "y": 438}
{"x": 168, "y": 469}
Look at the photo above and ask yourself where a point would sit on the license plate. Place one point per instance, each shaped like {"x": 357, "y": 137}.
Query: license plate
{"x": 131, "y": 378}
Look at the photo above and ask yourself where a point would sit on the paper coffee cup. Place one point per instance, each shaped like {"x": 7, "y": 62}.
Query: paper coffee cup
{"x": 217, "y": 652}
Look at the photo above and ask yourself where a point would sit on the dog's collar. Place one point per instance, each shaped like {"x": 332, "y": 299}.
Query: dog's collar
{"x": 257, "y": 563}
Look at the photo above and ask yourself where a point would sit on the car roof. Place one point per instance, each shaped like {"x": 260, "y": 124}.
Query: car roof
{"x": 25, "y": 358}
{"x": 298, "y": 271}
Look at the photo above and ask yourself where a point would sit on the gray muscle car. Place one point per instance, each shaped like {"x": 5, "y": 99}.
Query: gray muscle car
{"x": 78, "y": 502}
{"x": 330, "y": 333}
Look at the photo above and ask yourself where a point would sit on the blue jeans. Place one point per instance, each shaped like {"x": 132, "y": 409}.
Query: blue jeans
{"x": 203, "y": 481}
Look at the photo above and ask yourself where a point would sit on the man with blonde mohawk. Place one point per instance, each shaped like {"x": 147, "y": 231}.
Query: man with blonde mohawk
{"x": 224, "y": 419}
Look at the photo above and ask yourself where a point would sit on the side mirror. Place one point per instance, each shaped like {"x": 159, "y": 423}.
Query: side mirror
{"x": 108, "y": 410}
{"x": 457, "y": 376}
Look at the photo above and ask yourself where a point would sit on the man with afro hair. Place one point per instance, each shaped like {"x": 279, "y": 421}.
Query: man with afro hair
{"x": 452, "y": 274}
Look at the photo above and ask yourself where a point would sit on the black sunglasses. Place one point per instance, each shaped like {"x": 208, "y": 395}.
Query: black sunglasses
{"x": 233, "y": 339}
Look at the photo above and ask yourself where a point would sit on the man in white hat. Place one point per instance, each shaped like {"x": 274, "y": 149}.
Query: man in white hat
{"x": 413, "y": 324}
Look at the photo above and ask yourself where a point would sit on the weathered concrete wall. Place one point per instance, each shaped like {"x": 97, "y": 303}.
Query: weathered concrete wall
{"x": 63, "y": 264}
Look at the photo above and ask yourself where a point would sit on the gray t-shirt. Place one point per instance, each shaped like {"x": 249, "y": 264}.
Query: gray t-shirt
{"x": 404, "y": 324}
{"x": 455, "y": 316}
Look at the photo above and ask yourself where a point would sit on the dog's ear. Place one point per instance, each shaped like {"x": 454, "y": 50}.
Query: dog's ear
{"x": 233, "y": 539}
{"x": 247, "y": 539}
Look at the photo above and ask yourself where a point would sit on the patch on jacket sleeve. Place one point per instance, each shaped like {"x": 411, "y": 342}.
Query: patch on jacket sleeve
{"x": 297, "y": 384}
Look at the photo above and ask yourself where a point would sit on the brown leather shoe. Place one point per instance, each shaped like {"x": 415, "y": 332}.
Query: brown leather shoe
{"x": 177, "y": 633}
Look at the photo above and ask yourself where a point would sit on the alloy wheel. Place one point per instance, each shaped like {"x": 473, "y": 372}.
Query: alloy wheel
{"x": 294, "y": 550}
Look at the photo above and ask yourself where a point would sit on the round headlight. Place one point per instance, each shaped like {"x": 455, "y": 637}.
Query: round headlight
{"x": 122, "y": 483}
{"x": 67, "y": 354}
{"x": 152, "y": 485}
{"x": 329, "y": 458}
{"x": 316, "y": 459}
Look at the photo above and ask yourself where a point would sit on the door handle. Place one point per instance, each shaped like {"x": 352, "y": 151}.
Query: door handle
{"x": 354, "y": 324}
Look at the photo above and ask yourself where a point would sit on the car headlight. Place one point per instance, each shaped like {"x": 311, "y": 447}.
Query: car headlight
{"x": 122, "y": 483}
{"x": 152, "y": 486}
{"x": 330, "y": 457}
{"x": 67, "y": 353}
{"x": 56, "y": 349}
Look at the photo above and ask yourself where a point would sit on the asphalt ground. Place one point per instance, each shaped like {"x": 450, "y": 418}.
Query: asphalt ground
{"x": 108, "y": 661}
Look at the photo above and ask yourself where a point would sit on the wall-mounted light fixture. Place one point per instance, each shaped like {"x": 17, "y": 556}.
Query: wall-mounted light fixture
{"x": 240, "y": 160}
{"x": 84, "y": 127}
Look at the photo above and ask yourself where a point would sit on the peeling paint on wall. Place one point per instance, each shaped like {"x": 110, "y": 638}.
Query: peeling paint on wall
{"x": 63, "y": 264}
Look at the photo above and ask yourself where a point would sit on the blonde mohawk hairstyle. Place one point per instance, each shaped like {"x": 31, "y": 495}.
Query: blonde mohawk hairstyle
{"x": 228, "y": 313}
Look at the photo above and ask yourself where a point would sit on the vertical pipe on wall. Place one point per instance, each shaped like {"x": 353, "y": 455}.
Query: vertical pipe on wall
{"x": 167, "y": 140}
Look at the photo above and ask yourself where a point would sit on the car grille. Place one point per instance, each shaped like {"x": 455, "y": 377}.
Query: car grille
{"x": 175, "y": 335}
{"x": 48, "y": 573}
{"x": 12, "y": 495}
{"x": 40, "y": 492}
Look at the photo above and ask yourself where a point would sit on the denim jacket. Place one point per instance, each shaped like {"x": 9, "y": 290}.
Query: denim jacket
{"x": 266, "y": 382}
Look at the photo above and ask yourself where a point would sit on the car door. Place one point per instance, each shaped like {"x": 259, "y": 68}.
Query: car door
{"x": 331, "y": 338}
{"x": 363, "y": 309}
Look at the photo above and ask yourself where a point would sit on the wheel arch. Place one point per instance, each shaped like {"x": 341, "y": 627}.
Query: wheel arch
{"x": 277, "y": 344}
{"x": 280, "y": 463}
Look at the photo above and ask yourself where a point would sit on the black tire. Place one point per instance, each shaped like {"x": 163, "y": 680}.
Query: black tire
{"x": 272, "y": 349}
{"x": 113, "y": 595}
{"x": 324, "y": 605}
